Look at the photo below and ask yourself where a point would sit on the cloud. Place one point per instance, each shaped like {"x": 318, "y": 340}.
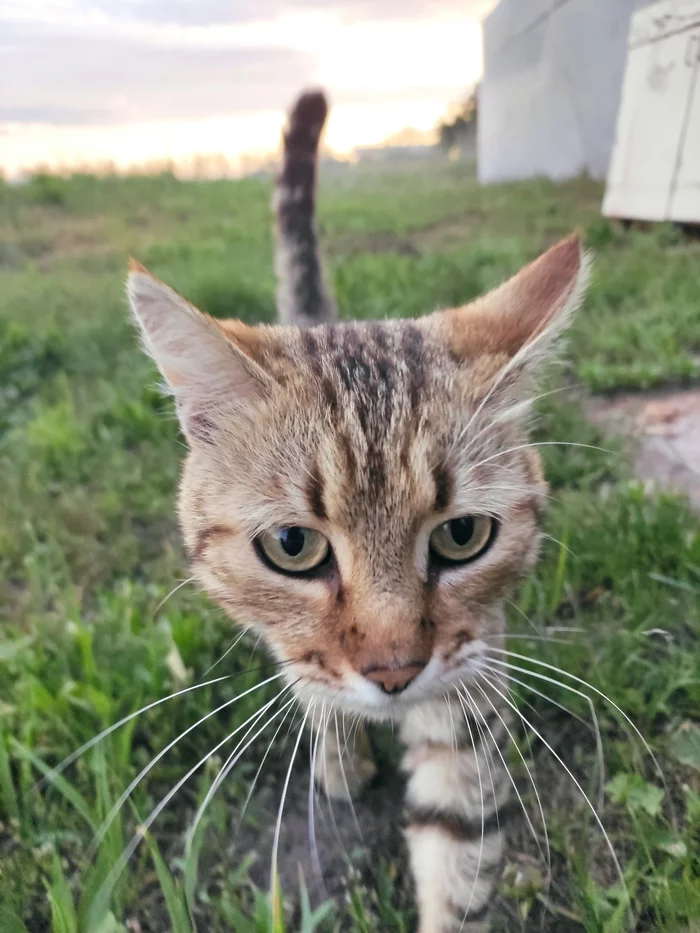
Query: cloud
{"x": 64, "y": 76}
{"x": 218, "y": 12}
{"x": 133, "y": 79}
{"x": 57, "y": 116}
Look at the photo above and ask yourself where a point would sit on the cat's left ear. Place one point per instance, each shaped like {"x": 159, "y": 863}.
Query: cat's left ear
{"x": 209, "y": 368}
{"x": 521, "y": 319}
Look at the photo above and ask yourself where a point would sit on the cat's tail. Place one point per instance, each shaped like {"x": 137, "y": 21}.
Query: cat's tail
{"x": 302, "y": 296}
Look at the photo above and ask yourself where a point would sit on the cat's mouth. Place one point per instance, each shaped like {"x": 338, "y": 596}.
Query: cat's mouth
{"x": 388, "y": 693}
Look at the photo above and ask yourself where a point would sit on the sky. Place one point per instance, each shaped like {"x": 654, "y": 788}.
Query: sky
{"x": 87, "y": 82}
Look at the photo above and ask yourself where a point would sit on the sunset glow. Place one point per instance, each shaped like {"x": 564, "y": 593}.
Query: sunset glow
{"x": 383, "y": 76}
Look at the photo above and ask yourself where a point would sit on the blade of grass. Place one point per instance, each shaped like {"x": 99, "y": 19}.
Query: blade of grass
{"x": 276, "y": 906}
{"x": 110, "y": 849}
{"x": 64, "y": 918}
{"x": 8, "y": 794}
{"x": 10, "y": 922}
{"x": 560, "y": 573}
{"x": 172, "y": 890}
{"x": 76, "y": 799}
{"x": 311, "y": 920}
{"x": 191, "y": 866}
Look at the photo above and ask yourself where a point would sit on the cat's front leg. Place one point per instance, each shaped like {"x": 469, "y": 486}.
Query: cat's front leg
{"x": 342, "y": 757}
{"x": 457, "y": 784}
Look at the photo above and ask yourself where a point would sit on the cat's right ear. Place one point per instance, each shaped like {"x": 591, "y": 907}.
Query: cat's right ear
{"x": 207, "y": 370}
{"x": 522, "y": 318}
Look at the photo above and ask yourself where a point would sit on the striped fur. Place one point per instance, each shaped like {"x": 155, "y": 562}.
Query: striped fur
{"x": 302, "y": 296}
{"x": 456, "y": 804}
{"x": 373, "y": 435}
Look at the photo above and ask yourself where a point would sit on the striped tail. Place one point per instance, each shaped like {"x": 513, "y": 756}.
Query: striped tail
{"x": 302, "y": 296}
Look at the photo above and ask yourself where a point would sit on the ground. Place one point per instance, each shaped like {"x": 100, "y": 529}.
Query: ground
{"x": 89, "y": 551}
{"x": 664, "y": 430}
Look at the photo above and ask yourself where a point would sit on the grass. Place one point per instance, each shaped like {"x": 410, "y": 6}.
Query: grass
{"x": 89, "y": 458}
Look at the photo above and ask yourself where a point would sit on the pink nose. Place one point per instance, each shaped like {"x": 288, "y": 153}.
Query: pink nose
{"x": 394, "y": 680}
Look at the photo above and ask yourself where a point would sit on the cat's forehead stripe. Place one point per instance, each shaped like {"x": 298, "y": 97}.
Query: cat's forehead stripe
{"x": 373, "y": 381}
{"x": 444, "y": 487}
{"x": 315, "y": 492}
{"x": 374, "y": 368}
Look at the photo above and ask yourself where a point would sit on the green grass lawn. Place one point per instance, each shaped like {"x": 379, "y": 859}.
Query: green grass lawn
{"x": 89, "y": 459}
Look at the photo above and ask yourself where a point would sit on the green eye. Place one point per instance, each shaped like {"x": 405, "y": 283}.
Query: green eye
{"x": 293, "y": 549}
{"x": 462, "y": 539}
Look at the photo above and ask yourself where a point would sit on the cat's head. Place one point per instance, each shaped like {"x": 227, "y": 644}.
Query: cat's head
{"x": 363, "y": 494}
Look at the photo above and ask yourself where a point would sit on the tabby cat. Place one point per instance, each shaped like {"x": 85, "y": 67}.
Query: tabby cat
{"x": 363, "y": 495}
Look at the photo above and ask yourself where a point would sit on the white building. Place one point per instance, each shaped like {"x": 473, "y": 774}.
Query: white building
{"x": 549, "y": 98}
{"x": 655, "y": 167}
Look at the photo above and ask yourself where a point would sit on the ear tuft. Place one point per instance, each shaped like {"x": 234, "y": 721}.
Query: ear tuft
{"x": 135, "y": 266}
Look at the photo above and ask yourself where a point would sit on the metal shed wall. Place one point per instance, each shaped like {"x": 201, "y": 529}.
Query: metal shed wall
{"x": 549, "y": 97}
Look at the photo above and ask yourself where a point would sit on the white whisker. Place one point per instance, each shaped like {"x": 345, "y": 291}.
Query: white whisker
{"x": 67, "y": 762}
{"x": 530, "y": 778}
{"x": 336, "y": 831}
{"x": 225, "y": 770}
{"x": 561, "y": 544}
{"x": 512, "y": 363}
{"x": 525, "y": 637}
{"x": 345, "y": 780}
{"x": 254, "y": 649}
{"x": 548, "y": 856}
{"x": 508, "y": 487}
{"x": 570, "y": 773}
{"x": 260, "y": 767}
{"x": 584, "y": 683}
{"x": 565, "y": 709}
{"x": 543, "y": 635}
{"x": 524, "y": 615}
{"x": 518, "y": 696}
{"x": 595, "y": 728}
{"x": 99, "y": 836}
{"x": 488, "y": 757}
{"x": 475, "y": 706}
{"x": 108, "y": 884}
{"x": 483, "y": 817}
{"x": 355, "y": 727}
{"x": 514, "y": 411}
{"x": 446, "y": 698}
{"x": 510, "y": 450}
{"x": 227, "y": 652}
{"x": 345, "y": 736}
{"x": 274, "y": 873}
{"x": 172, "y": 592}
{"x": 313, "y": 753}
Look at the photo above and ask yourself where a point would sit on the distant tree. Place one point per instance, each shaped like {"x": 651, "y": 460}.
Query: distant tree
{"x": 460, "y": 122}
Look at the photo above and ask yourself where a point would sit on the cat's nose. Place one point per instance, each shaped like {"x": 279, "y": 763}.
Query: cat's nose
{"x": 394, "y": 679}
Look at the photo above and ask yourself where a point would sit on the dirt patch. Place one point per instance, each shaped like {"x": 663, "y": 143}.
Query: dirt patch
{"x": 357, "y": 844}
{"x": 664, "y": 430}
{"x": 347, "y": 838}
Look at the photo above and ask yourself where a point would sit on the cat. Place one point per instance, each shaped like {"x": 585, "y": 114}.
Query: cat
{"x": 363, "y": 495}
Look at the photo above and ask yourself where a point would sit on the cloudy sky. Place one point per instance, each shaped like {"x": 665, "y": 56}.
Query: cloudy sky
{"x": 128, "y": 81}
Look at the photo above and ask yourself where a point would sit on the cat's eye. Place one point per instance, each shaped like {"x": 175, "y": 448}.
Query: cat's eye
{"x": 463, "y": 539}
{"x": 293, "y": 549}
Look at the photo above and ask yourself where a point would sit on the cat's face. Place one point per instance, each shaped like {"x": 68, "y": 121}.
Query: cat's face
{"x": 362, "y": 495}
{"x": 342, "y": 521}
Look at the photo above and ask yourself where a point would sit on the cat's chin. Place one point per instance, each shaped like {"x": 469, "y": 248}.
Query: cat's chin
{"x": 387, "y": 709}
